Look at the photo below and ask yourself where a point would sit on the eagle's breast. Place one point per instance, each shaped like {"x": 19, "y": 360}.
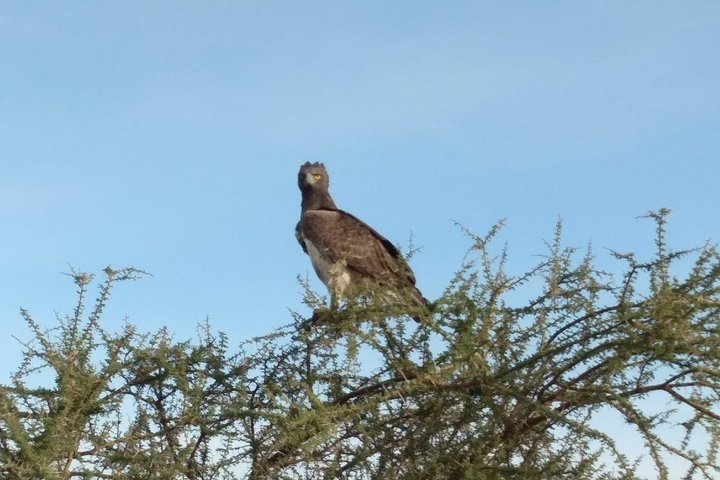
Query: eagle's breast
{"x": 335, "y": 275}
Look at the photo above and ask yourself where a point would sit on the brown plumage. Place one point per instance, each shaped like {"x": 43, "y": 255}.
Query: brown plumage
{"x": 350, "y": 257}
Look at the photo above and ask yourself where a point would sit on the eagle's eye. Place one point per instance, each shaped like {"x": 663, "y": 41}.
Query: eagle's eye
{"x": 317, "y": 176}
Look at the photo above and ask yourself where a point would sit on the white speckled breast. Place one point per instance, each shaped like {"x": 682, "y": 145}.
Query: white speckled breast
{"x": 335, "y": 276}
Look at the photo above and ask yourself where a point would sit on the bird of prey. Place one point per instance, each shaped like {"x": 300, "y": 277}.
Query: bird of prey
{"x": 351, "y": 258}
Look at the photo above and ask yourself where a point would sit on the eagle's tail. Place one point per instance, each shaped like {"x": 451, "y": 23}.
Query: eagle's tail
{"x": 422, "y": 308}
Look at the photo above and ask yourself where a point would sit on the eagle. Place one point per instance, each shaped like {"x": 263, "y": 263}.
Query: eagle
{"x": 351, "y": 258}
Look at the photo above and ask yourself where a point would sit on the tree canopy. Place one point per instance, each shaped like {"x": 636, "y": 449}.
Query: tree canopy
{"x": 496, "y": 384}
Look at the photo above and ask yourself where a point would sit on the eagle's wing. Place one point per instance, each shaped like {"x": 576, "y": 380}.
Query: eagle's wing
{"x": 340, "y": 236}
{"x": 299, "y": 236}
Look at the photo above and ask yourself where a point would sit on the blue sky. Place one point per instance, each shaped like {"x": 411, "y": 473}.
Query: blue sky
{"x": 167, "y": 136}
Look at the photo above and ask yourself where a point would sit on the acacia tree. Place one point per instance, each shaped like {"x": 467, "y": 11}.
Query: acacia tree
{"x": 489, "y": 387}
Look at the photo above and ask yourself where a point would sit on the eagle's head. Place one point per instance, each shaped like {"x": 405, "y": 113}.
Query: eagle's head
{"x": 313, "y": 176}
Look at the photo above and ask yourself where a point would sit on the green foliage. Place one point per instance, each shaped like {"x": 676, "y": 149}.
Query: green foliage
{"x": 491, "y": 386}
